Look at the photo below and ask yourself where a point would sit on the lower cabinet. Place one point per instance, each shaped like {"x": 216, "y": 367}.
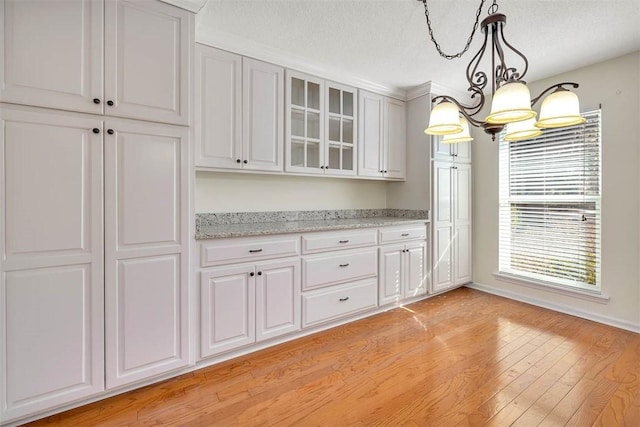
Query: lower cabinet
{"x": 403, "y": 272}
{"x": 242, "y": 304}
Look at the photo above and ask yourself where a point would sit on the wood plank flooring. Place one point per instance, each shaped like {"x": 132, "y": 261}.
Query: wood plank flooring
{"x": 465, "y": 358}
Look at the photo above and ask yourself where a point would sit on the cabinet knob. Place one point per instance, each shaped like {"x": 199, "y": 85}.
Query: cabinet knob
{"x": 110, "y": 103}
{"x": 110, "y": 131}
{"x": 381, "y": 171}
{"x": 326, "y": 167}
{"x": 245, "y": 161}
{"x": 96, "y": 100}
{"x": 455, "y": 154}
{"x": 321, "y": 167}
{"x": 96, "y": 130}
{"x": 343, "y": 299}
{"x": 238, "y": 161}
{"x": 386, "y": 171}
{"x": 259, "y": 273}
{"x": 252, "y": 274}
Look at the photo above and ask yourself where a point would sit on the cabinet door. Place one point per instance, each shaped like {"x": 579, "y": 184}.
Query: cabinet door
{"x": 341, "y": 129}
{"x": 218, "y": 110}
{"x": 416, "y": 279}
{"x": 51, "y": 260}
{"x": 305, "y": 123}
{"x": 442, "y": 151}
{"x": 391, "y": 274}
{"x": 147, "y": 77}
{"x": 395, "y": 141}
{"x": 51, "y": 54}
{"x": 443, "y": 223}
{"x": 463, "y": 152}
{"x": 462, "y": 209}
{"x": 146, "y": 236}
{"x": 370, "y": 136}
{"x": 227, "y": 309}
{"x": 263, "y": 116}
{"x": 277, "y": 298}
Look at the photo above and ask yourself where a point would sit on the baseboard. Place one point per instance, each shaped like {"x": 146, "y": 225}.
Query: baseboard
{"x": 611, "y": 321}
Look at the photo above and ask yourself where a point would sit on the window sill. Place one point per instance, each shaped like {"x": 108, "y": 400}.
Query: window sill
{"x": 558, "y": 289}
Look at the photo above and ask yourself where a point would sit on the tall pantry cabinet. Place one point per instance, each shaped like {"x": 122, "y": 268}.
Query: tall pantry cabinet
{"x": 94, "y": 188}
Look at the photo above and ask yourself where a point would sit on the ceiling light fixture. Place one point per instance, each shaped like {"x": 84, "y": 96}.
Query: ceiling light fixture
{"x": 511, "y": 101}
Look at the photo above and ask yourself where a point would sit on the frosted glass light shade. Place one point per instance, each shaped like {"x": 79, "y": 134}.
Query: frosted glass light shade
{"x": 444, "y": 120}
{"x": 561, "y": 108}
{"x": 525, "y": 129}
{"x": 463, "y": 136}
{"x": 511, "y": 103}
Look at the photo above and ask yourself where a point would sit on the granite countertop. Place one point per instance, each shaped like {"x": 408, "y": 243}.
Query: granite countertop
{"x": 218, "y": 231}
{"x": 240, "y": 224}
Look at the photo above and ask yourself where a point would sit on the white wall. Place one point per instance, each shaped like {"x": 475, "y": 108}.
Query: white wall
{"x": 237, "y": 192}
{"x": 616, "y": 85}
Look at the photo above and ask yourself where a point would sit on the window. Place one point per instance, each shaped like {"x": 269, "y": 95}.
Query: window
{"x": 550, "y": 206}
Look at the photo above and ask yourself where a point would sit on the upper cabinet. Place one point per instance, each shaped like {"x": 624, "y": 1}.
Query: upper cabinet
{"x": 459, "y": 152}
{"x": 89, "y": 57}
{"x": 382, "y": 136}
{"x": 239, "y": 112}
{"x": 321, "y": 130}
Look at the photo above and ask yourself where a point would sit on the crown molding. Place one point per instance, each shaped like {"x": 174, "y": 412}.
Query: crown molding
{"x": 190, "y": 5}
{"x": 253, "y": 49}
{"x": 434, "y": 89}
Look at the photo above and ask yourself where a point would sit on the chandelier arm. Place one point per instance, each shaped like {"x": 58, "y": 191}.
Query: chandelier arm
{"x": 462, "y": 108}
{"x": 501, "y": 70}
{"x": 516, "y": 76}
{"x": 481, "y": 80}
{"x": 550, "y": 88}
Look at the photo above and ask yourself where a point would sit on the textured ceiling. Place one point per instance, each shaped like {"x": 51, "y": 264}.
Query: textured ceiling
{"x": 387, "y": 41}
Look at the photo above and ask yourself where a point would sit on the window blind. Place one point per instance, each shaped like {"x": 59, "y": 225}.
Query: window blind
{"x": 549, "y": 214}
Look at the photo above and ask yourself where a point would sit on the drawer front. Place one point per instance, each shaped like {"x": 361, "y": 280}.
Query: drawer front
{"x": 226, "y": 251}
{"x": 400, "y": 234}
{"x": 325, "y": 305}
{"x": 320, "y": 242}
{"x": 337, "y": 267}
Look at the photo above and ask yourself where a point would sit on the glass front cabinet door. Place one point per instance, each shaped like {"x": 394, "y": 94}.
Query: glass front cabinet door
{"x": 320, "y": 126}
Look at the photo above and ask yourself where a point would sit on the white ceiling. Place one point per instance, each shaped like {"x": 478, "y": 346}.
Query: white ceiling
{"x": 387, "y": 41}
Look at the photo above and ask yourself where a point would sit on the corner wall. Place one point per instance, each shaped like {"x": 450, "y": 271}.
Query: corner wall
{"x": 615, "y": 85}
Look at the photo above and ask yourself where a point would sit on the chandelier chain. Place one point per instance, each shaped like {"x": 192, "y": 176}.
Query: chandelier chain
{"x": 473, "y": 31}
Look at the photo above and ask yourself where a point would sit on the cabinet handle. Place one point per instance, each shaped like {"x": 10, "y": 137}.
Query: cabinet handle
{"x": 343, "y": 299}
{"x": 110, "y": 103}
{"x": 238, "y": 161}
{"x": 252, "y": 274}
{"x": 254, "y": 251}
{"x": 96, "y": 130}
{"x": 96, "y": 100}
{"x": 404, "y": 234}
{"x": 110, "y": 131}
{"x": 259, "y": 273}
{"x": 343, "y": 241}
{"x": 454, "y": 167}
{"x": 344, "y": 265}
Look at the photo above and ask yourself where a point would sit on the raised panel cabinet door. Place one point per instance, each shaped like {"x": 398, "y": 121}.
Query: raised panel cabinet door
{"x": 462, "y": 193}
{"x": 442, "y": 151}
{"x": 263, "y": 116}
{"x": 417, "y": 277}
{"x": 395, "y": 141}
{"x": 148, "y": 46}
{"x": 227, "y": 309}
{"x": 51, "y": 54}
{"x": 277, "y": 298}
{"x": 464, "y": 260}
{"x": 370, "y": 136}
{"x": 146, "y": 332}
{"x": 442, "y": 264}
{"x": 463, "y": 152}
{"x": 218, "y": 108}
{"x": 391, "y": 275}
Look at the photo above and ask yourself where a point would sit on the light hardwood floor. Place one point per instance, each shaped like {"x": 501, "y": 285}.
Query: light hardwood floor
{"x": 462, "y": 358}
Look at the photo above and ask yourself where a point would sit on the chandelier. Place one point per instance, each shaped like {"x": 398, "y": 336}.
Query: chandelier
{"x": 511, "y": 104}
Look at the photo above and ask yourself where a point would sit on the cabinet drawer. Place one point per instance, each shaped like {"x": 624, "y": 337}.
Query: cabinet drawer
{"x": 325, "y": 305}
{"x": 337, "y": 267}
{"x": 400, "y": 234}
{"x": 226, "y": 251}
{"x": 320, "y": 242}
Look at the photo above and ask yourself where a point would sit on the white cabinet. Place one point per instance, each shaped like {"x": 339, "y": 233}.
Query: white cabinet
{"x": 91, "y": 56}
{"x": 245, "y": 303}
{"x": 403, "y": 271}
{"x": 321, "y": 126}
{"x": 452, "y": 258}
{"x": 381, "y": 136}
{"x": 51, "y": 260}
{"x": 146, "y": 249}
{"x": 458, "y": 152}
